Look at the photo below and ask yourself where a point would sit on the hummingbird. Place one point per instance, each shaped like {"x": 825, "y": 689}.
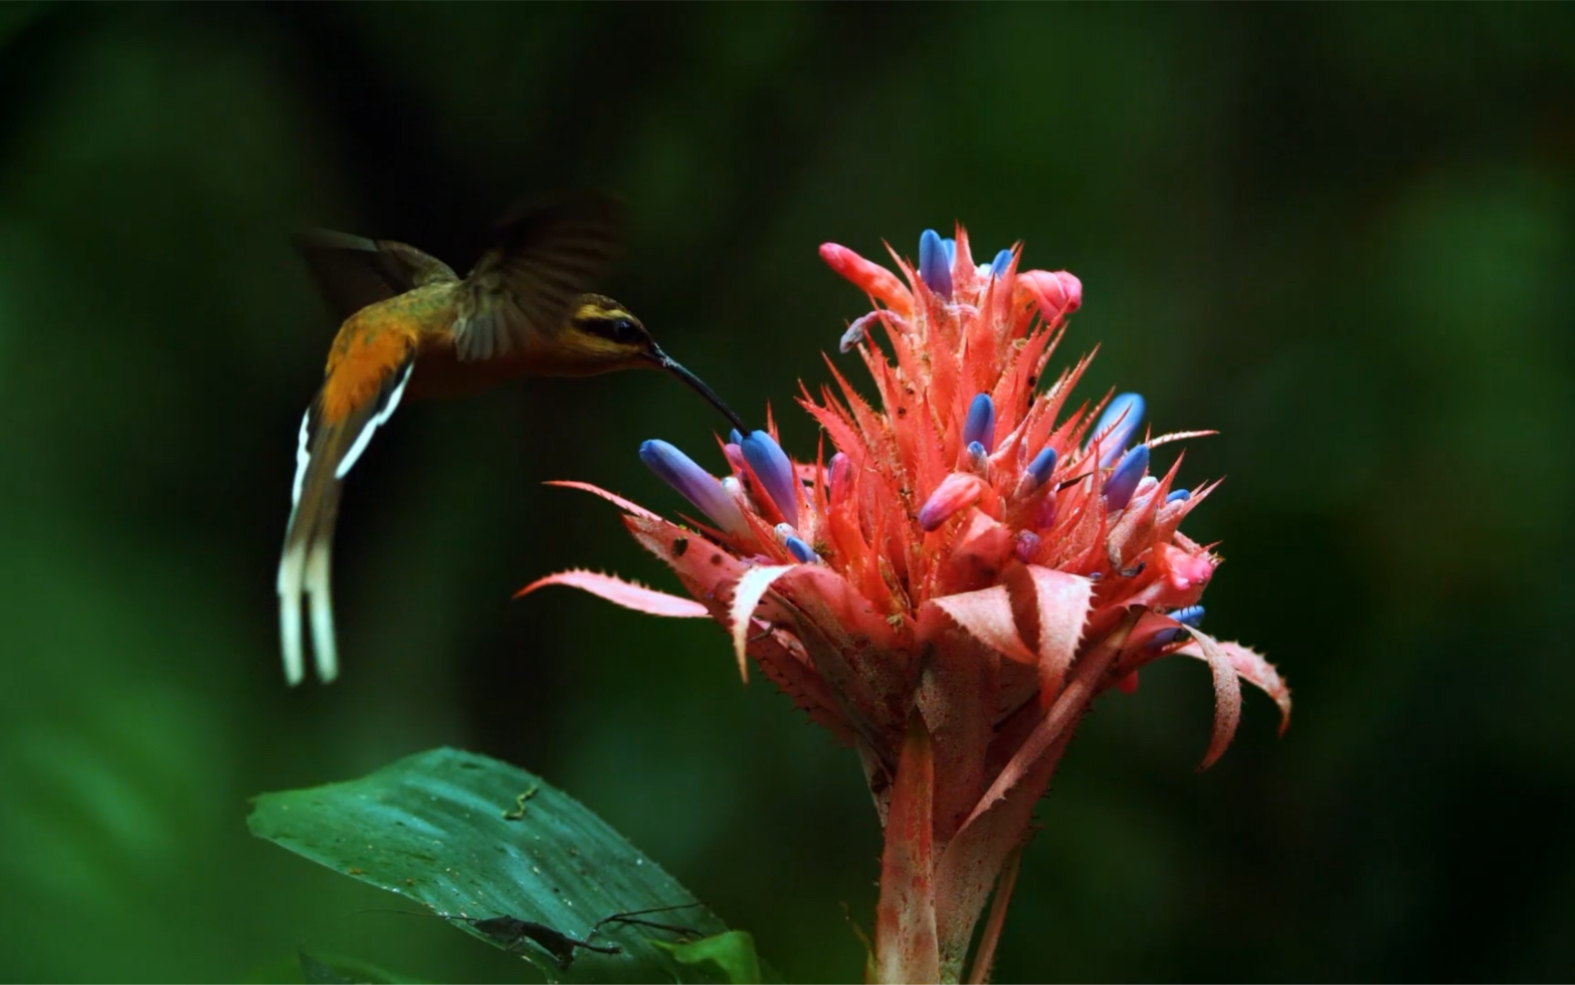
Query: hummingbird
{"x": 408, "y": 322}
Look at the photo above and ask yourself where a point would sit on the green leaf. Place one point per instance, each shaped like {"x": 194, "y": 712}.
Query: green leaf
{"x": 728, "y": 958}
{"x": 504, "y": 855}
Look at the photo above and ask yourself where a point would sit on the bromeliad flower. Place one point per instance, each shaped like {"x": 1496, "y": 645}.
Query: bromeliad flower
{"x": 950, "y": 589}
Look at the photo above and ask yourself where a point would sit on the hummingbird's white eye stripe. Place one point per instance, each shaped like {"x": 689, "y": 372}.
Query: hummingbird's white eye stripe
{"x": 384, "y": 411}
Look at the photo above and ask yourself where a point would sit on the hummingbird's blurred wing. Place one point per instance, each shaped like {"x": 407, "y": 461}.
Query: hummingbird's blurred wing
{"x": 525, "y": 287}
{"x": 353, "y": 272}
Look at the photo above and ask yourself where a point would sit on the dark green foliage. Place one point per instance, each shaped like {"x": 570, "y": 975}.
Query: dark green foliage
{"x": 333, "y": 969}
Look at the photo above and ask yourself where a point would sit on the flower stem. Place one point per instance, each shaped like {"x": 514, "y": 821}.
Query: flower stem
{"x": 906, "y": 945}
{"x": 985, "y": 956}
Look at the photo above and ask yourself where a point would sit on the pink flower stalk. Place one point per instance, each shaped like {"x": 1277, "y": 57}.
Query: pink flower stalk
{"x": 950, "y": 590}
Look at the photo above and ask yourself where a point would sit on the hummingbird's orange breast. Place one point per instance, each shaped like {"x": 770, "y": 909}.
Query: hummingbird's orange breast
{"x": 376, "y": 341}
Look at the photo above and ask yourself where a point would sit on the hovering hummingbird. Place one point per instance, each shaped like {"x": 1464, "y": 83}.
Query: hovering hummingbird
{"x": 409, "y": 322}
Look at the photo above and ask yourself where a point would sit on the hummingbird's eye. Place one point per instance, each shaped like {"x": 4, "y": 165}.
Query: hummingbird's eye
{"x": 619, "y": 329}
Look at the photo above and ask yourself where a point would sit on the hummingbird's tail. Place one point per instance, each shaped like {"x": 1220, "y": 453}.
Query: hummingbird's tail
{"x": 325, "y": 453}
{"x": 305, "y": 565}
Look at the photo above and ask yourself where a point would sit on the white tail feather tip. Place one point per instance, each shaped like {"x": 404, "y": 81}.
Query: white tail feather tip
{"x": 290, "y": 634}
{"x": 322, "y": 610}
{"x": 290, "y": 615}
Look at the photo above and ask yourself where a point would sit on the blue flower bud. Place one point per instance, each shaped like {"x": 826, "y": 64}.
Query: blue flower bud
{"x": 1002, "y": 261}
{"x": 1121, "y": 419}
{"x": 774, "y": 471}
{"x": 951, "y": 250}
{"x": 978, "y": 458}
{"x": 1040, "y": 469}
{"x": 1178, "y": 496}
{"x": 733, "y": 437}
{"x": 1123, "y": 482}
{"x": 693, "y": 482}
{"x": 801, "y": 551}
{"x": 980, "y": 424}
{"x": 935, "y": 267}
{"x": 1192, "y": 615}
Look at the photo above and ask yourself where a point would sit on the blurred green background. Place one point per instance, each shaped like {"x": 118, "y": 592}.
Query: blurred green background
{"x": 1341, "y": 234}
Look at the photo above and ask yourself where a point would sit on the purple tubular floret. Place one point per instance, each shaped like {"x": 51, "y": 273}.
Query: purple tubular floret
{"x": 935, "y": 265}
{"x": 694, "y": 483}
{"x": 1123, "y": 482}
{"x": 775, "y": 472}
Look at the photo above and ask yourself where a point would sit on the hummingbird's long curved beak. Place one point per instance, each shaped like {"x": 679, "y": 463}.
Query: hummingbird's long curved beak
{"x": 671, "y": 365}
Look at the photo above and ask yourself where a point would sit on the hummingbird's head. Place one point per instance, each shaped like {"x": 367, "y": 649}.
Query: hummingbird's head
{"x": 604, "y": 336}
